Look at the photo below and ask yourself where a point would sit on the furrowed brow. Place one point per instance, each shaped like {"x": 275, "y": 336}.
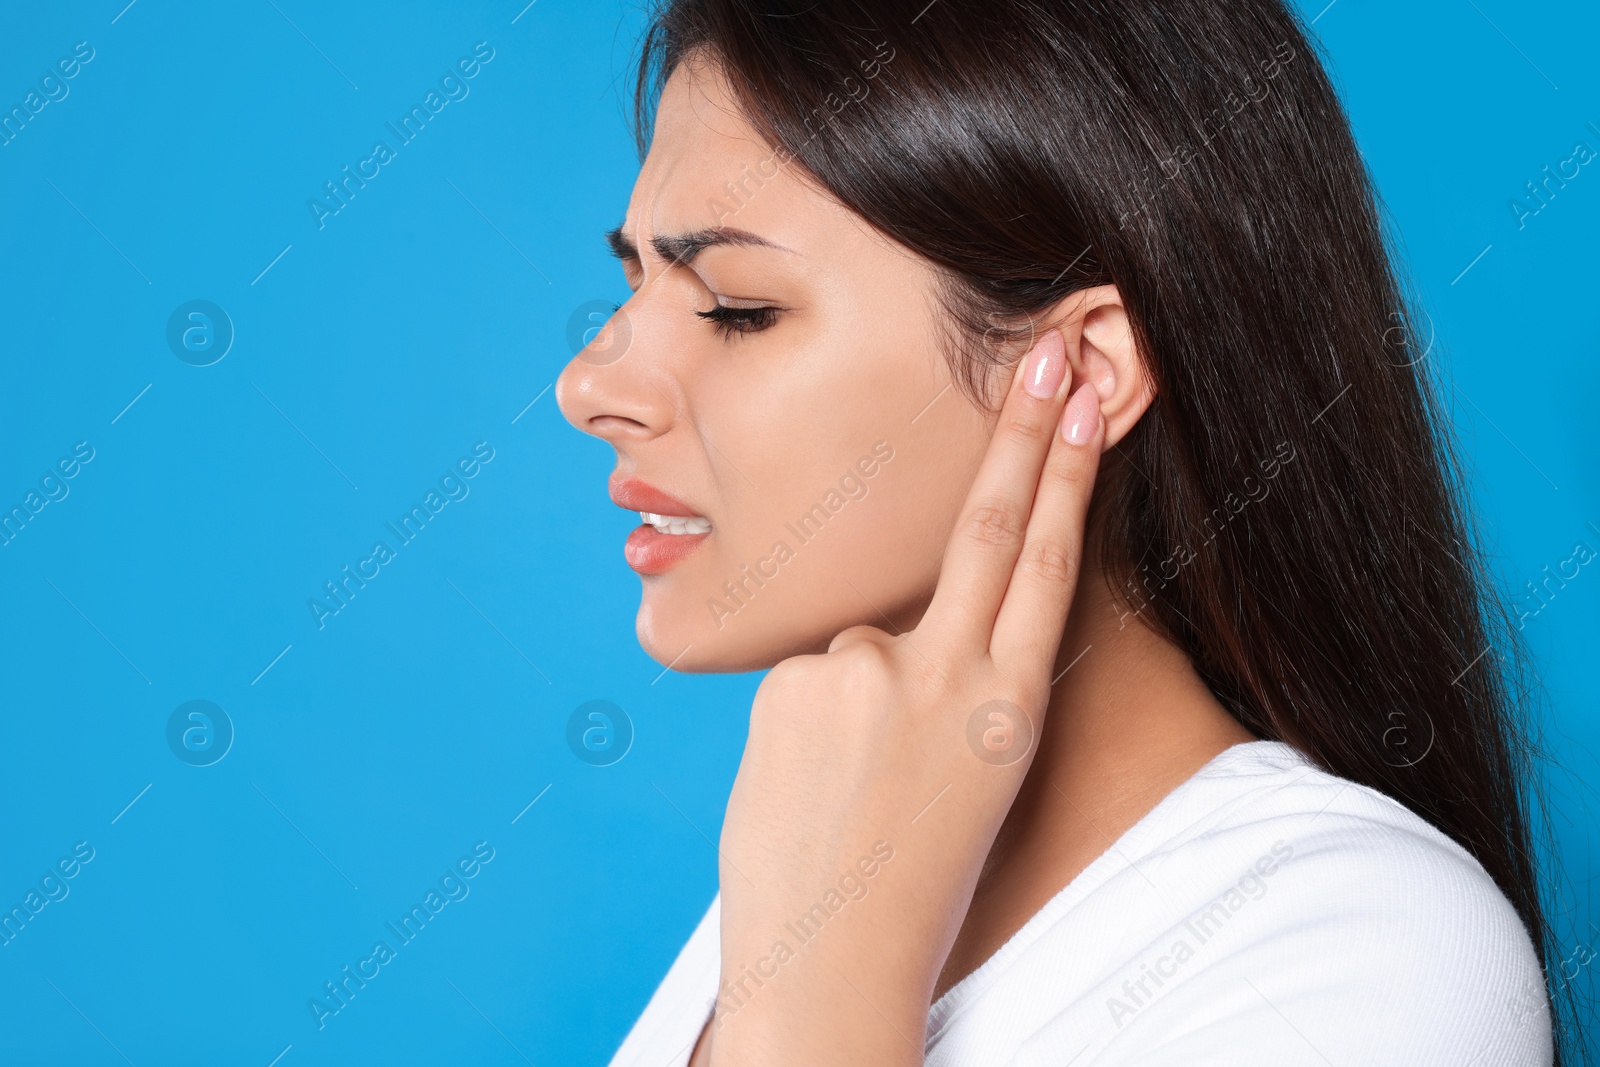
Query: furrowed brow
{"x": 682, "y": 248}
{"x": 621, "y": 245}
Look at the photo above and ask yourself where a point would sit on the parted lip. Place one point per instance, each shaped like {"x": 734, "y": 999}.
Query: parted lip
{"x": 637, "y": 495}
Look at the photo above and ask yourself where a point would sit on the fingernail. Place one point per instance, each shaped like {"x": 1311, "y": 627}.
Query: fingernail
{"x": 1081, "y": 418}
{"x": 1047, "y": 365}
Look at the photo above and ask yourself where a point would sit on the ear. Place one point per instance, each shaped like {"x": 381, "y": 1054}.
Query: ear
{"x": 1101, "y": 351}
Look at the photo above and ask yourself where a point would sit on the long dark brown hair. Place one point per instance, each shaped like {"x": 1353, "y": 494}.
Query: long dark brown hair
{"x": 1194, "y": 154}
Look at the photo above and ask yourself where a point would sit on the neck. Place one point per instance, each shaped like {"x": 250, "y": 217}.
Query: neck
{"x": 1129, "y": 720}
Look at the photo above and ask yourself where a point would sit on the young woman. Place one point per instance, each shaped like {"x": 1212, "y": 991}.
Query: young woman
{"x": 1027, "y": 385}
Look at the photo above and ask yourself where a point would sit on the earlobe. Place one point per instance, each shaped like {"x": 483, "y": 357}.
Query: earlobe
{"x": 1101, "y": 350}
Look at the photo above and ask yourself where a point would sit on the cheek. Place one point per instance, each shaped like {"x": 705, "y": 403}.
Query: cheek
{"x": 803, "y": 419}
{"x": 796, "y": 557}
{"x": 894, "y": 550}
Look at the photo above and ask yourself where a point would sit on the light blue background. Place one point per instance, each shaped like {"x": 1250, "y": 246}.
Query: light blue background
{"x": 421, "y": 319}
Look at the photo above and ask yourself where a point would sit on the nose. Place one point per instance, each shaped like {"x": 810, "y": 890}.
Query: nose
{"x": 610, "y": 388}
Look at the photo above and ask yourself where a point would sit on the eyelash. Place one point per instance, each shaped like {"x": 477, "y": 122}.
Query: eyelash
{"x": 731, "y": 320}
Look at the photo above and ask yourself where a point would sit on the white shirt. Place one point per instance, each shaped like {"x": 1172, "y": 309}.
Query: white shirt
{"x": 1264, "y": 913}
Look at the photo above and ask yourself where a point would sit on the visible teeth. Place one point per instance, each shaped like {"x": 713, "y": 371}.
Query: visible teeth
{"x": 676, "y": 524}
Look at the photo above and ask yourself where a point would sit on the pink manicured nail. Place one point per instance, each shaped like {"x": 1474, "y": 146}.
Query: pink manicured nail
{"x": 1047, "y": 365}
{"x": 1081, "y": 418}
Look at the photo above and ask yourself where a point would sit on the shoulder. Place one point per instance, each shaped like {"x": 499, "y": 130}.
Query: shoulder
{"x": 1345, "y": 911}
{"x": 1266, "y": 912}
{"x": 1354, "y": 858}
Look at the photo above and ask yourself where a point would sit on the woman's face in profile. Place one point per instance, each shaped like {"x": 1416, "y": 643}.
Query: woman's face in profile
{"x": 779, "y": 372}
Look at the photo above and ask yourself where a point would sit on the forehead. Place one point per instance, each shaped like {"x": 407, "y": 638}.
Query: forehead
{"x": 708, "y": 167}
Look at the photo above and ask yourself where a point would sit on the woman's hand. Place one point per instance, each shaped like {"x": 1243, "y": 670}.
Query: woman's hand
{"x": 877, "y": 775}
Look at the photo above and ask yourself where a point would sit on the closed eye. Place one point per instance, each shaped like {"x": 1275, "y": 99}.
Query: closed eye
{"x": 731, "y": 320}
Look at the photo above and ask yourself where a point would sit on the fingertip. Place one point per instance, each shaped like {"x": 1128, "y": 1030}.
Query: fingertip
{"x": 1080, "y": 419}
{"x": 1043, "y": 367}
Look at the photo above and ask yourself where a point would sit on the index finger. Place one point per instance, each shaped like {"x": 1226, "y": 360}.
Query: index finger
{"x": 1033, "y": 614}
{"x": 988, "y": 536}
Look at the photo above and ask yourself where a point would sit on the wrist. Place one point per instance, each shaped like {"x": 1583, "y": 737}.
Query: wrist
{"x": 807, "y": 1014}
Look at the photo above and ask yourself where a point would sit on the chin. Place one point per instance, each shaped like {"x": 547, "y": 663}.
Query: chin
{"x": 678, "y": 628}
{"x": 680, "y": 632}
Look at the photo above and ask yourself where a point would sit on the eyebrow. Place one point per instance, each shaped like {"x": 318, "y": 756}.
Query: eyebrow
{"x": 682, "y": 248}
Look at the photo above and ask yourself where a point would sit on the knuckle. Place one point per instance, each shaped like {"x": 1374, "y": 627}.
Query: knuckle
{"x": 788, "y": 674}
{"x": 1023, "y": 427}
{"x": 863, "y": 660}
{"x": 994, "y": 526}
{"x": 860, "y": 634}
{"x": 1050, "y": 560}
{"x": 863, "y": 676}
{"x": 1063, "y": 471}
